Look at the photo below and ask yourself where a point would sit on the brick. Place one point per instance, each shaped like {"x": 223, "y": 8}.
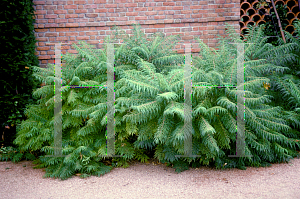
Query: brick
{"x": 229, "y": 6}
{"x": 220, "y": 19}
{"x": 50, "y": 8}
{"x": 160, "y": 17}
{"x": 195, "y": 50}
{"x": 79, "y": 2}
{"x": 170, "y": 30}
{"x": 70, "y": 7}
{"x": 51, "y": 25}
{"x": 187, "y": 37}
{"x": 111, "y": 5}
{"x": 168, "y": 4}
{"x": 195, "y": 33}
{"x": 212, "y": 6}
{"x": 84, "y": 29}
{"x": 220, "y": 10}
{"x": 60, "y": 11}
{"x": 43, "y": 48}
{"x": 181, "y": 51}
{"x": 174, "y": 25}
{"x": 196, "y": 7}
{"x": 141, "y": 18}
{"x": 44, "y": 57}
{"x": 149, "y": 4}
{"x": 203, "y": 19}
{"x": 159, "y": 26}
{"x": 132, "y": 14}
{"x": 160, "y": 8}
{"x": 101, "y": 10}
{"x": 168, "y": 20}
{"x": 81, "y": 11}
{"x": 83, "y": 38}
{"x": 40, "y": 44}
{"x": 212, "y": 14}
{"x": 41, "y": 21}
{"x": 235, "y": 10}
{"x": 179, "y": 16}
{"x": 91, "y": 33}
{"x": 39, "y": 7}
{"x": 62, "y": 38}
{"x": 91, "y": 15}
{"x": 51, "y": 34}
{"x": 169, "y": 12}
{"x": 129, "y": 23}
{"x": 72, "y": 25}
{"x": 177, "y": 8}
{"x": 111, "y": 23}
{"x": 39, "y": 2}
{"x": 40, "y": 12}
{"x": 100, "y": 1}
{"x": 140, "y": 9}
{"x": 131, "y": 5}
{"x": 151, "y": 13}
{"x": 121, "y": 19}
{"x": 50, "y": 61}
{"x": 150, "y": 30}
{"x": 64, "y": 47}
{"x": 81, "y": 20}
{"x": 72, "y": 34}
{"x": 40, "y": 30}
{"x": 40, "y": 16}
{"x": 186, "y": 29}
{"x": 186, "y": 12}
{"x": 150, "y": 22}
{"x": 203, "y": 28}
{"x": 196, "y": 16}
{"x": 50, "y": 16}
{"x": 91, "y": 6}
{"x": 61, "y": 20}
{"x": 62, "y": 29}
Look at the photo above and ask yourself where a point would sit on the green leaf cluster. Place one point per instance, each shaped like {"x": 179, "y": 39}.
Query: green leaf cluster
{"x": 149, "y": 107}
{"x": 18, "y": 41}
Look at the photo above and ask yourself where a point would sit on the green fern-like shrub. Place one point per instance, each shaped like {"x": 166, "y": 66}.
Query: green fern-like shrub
{"x": 149, "y": 107}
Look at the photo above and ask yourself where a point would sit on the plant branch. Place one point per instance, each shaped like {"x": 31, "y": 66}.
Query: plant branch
{"x": 279, "y": 23}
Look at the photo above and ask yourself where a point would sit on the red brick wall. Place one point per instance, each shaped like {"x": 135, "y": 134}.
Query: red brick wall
{"x": 91, "y": 20}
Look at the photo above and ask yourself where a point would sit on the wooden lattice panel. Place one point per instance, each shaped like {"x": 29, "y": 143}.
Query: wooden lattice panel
{"x": 253, "y": 16}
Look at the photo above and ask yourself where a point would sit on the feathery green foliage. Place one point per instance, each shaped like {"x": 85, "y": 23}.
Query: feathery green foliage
{"x": 149, "y": 108}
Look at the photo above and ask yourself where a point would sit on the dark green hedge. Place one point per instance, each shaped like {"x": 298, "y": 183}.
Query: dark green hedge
{"x": 17, "y": 41}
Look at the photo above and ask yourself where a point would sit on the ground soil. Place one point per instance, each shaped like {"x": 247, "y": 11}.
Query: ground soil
{"x": 153, "y": 180}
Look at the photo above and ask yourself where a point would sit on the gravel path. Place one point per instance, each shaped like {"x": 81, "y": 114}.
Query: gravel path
{"x": 154, "y": 181}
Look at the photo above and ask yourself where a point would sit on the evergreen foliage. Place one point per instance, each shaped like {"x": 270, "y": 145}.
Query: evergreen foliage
{"x": 18, "y": 41}
{"x": 149, "y": 108}
{"x": 286, "y": 87}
